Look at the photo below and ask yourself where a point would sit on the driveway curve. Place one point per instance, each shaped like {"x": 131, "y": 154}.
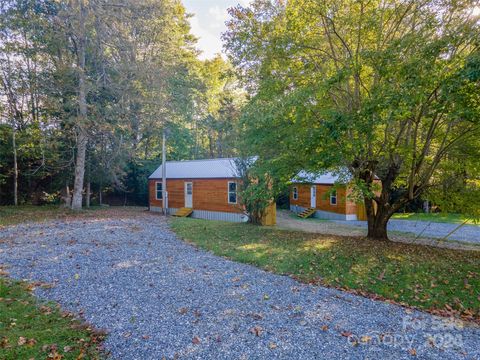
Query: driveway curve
{"x": 159, "y": 297}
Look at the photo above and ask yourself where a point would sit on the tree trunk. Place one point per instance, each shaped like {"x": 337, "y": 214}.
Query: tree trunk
{"x": 67, "y": 198}
{"x": 87, "y": 197}
{"x": 79, "y": 172}
{"x": 100, "y": 199}
{"x": 377, "y": 219}
{"x": 81, "y": 120}
{"x": 377, "y": 228}
{"x": 15, "y": 167}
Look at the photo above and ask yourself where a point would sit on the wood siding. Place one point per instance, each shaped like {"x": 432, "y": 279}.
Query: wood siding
{"x": 343, "y": 206}
{"x": 208, "y": 194}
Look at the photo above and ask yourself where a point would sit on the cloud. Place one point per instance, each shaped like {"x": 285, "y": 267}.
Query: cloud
{"x": 208, "y": 23}
{"x": 209, "y": 42}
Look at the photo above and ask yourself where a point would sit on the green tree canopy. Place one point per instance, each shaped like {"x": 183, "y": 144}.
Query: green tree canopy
{"x": 379, "y": 89}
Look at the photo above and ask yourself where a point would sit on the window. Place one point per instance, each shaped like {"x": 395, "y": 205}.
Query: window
{"x": 158, "y": 191}
{"x": 232, "y": 192}
{"x": 333, "y": 197}
{"x": 295, "y": 193}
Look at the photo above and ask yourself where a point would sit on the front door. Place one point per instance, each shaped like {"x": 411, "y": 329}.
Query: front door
{"x": 313, "y": 197}
{"x": 189, "y": 195}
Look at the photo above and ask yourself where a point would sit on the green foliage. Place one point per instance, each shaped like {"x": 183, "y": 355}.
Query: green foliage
{"x": 256, "y": 192}
{"x": 385, "y": 89}
{"x": 142, "y": 77}
{"x": 425, "y": 277}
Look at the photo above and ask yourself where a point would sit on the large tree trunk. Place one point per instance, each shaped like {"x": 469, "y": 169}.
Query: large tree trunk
{"x": 81, "y": 120}
{"x": 15, "y": 167}
{"x": 79, "y": 171}
{"x": 377, "y": 227}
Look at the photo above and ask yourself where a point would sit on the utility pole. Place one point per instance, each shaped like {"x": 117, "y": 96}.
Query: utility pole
{"x": 164, "y": 174}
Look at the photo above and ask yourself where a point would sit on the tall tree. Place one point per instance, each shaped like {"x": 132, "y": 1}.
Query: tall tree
{"x": 377, "y": 89}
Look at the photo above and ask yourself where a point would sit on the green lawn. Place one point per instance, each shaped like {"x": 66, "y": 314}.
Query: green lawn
{"x": 436, "y": 217}
{"x": 10, "y": 215}
{"x": 439, "y": 280}
{"x": 29, "y": 330}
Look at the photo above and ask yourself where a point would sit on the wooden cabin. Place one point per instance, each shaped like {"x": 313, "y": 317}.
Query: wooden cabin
{"x": 206, "y": 189}
{"x": 318, "y": 192}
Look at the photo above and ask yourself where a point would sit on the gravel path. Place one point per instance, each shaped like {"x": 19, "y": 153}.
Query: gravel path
{"x": 400, "y": 230}
{"x": 467, "y": 233}
{"x": 158, "y": 296}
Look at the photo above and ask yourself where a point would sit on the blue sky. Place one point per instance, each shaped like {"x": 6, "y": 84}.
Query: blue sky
{"x": 208, "y": 22}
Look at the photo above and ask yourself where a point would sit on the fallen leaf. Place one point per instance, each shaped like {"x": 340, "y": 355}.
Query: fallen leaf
{"x": 382, "y": 275}
{"x": 412, "y": 352}
{"x": 21, "y": 341}
{"x": 256, "y": 330}
{"x": 67, "y": 349}
{"x": 196, "y": 340}
{"x": 272, "y": 345}
{"x": 54, "y": 355}
{"x": 346, "y": 333}
{"x": 324, "y": 327}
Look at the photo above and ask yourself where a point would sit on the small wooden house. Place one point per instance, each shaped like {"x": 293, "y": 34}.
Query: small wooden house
{"x": 209, "y": 188}
{"x": 318, "y": 193}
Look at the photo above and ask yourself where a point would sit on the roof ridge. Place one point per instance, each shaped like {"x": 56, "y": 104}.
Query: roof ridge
{"x": 214, "y": 159}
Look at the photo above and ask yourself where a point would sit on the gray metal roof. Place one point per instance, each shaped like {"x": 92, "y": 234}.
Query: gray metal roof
{"x": 198, "y": 169}
{"x": 316, "y": 178}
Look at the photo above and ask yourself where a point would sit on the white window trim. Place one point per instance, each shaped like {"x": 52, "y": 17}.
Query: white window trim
{"x": 228, "y": 192}
{"x": 156, "y": 191}
{"x": 334, "y": 196}
{"x": 295, "y": 193}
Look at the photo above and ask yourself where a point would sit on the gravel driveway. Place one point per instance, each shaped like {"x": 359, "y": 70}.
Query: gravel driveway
{"x": 160, "y": 297}
{"x": 467, "y": 233}
{"x": 400, "y": 230}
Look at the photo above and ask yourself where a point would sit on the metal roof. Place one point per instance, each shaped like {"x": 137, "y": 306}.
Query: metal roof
{"x": 198, "y": 169}
{"x": 316, "y": 178}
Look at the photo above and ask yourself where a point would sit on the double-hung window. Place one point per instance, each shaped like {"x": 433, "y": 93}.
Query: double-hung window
{"x": 232, "y": 192}
{"x": 158, "y": 191}
{"x": 333, "y": 197}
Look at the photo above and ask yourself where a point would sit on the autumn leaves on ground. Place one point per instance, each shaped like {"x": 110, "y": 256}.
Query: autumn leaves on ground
{"x": 30, "y": 330}
{"x": 442, "y": 281}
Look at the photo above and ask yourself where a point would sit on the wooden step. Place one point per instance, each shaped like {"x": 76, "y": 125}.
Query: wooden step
{"x": 306, "y": 213}
{"x": 183, "y": 212}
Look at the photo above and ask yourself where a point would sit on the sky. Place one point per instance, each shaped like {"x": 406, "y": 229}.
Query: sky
{"x": 208, "y": 23}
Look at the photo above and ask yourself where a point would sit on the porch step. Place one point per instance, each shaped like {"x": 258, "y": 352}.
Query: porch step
{"x": 183, "y": 212}
{"x": 306, "y": 213}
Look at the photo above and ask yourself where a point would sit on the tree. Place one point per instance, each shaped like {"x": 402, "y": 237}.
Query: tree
{"x": 380, "y": 89}
{"x": 90, "y": 85}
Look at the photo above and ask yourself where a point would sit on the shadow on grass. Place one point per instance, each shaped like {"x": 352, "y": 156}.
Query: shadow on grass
{"x": 425, "y": 277}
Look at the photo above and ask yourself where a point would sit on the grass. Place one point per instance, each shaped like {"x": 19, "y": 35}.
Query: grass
{"x": 31, "y": 330}
{"x": 436, "y": 217}
{"x": 442, "y": 281}
{"x": 11, "y": 215}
